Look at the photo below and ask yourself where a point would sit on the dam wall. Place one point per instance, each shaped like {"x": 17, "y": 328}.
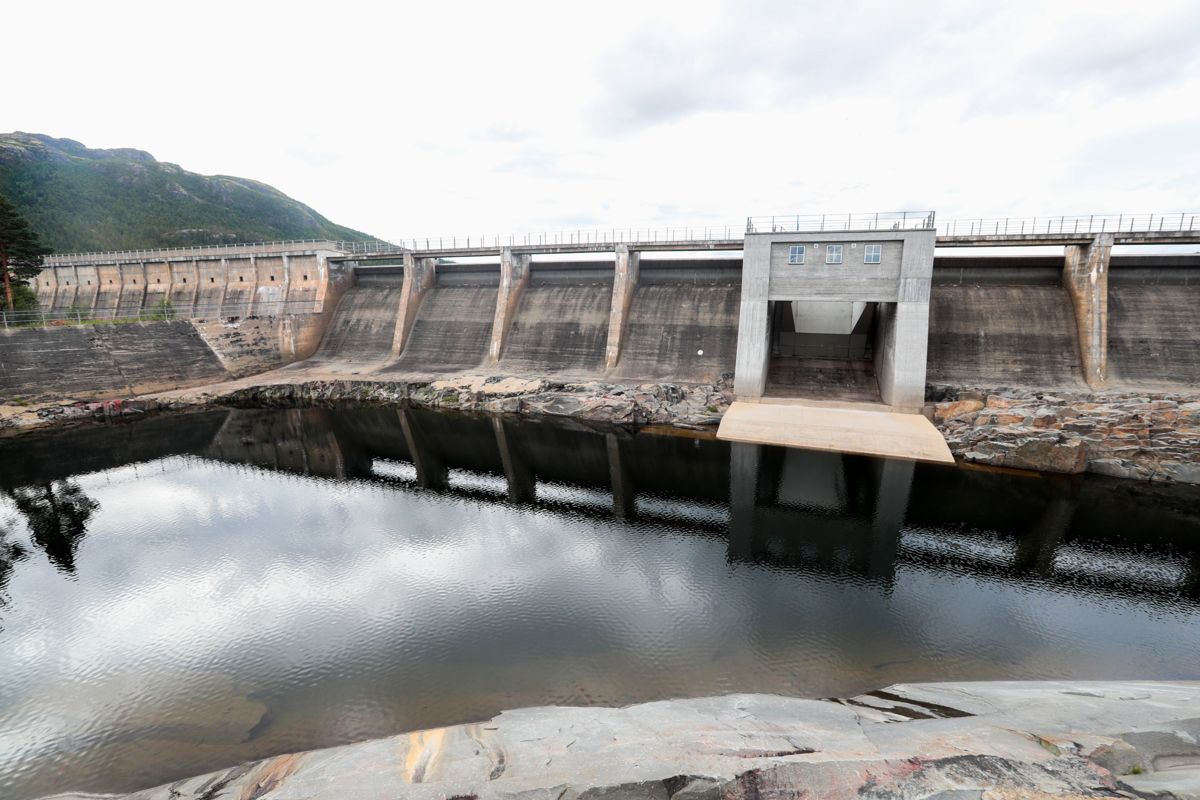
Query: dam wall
{"x": 682, "y": 323}
{"x": 363, "y": 321}
{"x": 99, "y": 361}
{"x": 1002, "y": 326}
{"x": 453, "y": 323}
{"x": 201, "y": 281}
{"x": 561, "y": 321}
{"x": 1153, "y": 321}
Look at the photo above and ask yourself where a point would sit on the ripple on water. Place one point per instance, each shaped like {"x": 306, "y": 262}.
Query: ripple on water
{"x": 226, "y": 601}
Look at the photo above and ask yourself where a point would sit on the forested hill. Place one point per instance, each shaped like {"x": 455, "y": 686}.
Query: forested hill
{"x": 80, "y": 199}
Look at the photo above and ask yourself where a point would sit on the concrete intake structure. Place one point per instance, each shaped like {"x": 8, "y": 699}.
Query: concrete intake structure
{"x": 894, "y": 274}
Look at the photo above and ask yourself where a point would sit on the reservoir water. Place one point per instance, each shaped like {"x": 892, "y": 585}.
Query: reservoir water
{"x": 185, "y": 593}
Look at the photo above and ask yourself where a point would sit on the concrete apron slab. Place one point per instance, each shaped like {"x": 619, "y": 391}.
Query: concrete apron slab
{"x": 838, "y": 429}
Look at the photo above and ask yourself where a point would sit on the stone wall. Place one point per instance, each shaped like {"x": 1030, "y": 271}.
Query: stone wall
{"x": 1145, "y": 435}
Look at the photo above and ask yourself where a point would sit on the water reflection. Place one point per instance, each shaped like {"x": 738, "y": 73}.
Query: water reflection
{"x": 56, "y": 515}
{"x": 253, "y": 582}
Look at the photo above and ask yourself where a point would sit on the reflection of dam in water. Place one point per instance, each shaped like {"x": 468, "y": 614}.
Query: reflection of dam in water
{"x": 329, "y": 576}
{"x": 836, "y": 513}
{"x": 831, "y": 512}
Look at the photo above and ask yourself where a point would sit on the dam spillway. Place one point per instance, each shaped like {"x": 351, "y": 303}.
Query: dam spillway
{"x": 1013, "y": 327}
{"x": 1153, "y": 320}
{"x": 453, "y": 322}
{"x": 561, "y": 321}
{"x": 683, "y": 321}
{"x": 364, "y": 321}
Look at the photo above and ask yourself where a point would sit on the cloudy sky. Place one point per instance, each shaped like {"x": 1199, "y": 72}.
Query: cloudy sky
{"x": 438, "y": 118}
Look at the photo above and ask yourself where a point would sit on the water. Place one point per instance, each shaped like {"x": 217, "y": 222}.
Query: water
{"x": 186, "y": 593}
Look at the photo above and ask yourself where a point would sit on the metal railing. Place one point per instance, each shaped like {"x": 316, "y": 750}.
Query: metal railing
{"x": 372, "y": 246}
{"x": 817, "y": 223}
{"x": 583, "y": 237}
{"x": 54, "y": 317}
{"x": 1068, "y": 226}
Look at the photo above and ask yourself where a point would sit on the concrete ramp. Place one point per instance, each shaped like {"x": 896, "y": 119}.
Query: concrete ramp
{"x": 842, "y": 430}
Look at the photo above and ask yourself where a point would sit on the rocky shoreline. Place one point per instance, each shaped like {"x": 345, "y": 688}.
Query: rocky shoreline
{"x": 677, "y": 405}
{"x": 1152, "y": 436}
{"x": 968, "y": 741}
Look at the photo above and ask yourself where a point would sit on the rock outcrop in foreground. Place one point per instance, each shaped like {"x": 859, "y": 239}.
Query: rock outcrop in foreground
{"x": 949, "y": 740}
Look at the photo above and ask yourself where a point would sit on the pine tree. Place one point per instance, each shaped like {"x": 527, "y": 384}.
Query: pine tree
{"x": 20, "y": 251}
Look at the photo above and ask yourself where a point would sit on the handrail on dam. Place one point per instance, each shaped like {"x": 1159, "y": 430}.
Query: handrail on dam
{"x": 157, "y": 313}
{"x": 597, "y": 236}
{"x": 372, "y": 246}
{"x": 817, "y": 223}
{"x": 1088, "y": 224}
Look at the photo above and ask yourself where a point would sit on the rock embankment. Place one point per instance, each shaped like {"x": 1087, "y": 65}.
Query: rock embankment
{"x": 953, "y": 740}
{"x": 690, "y": 406}
{"x": 1148, "y": 436}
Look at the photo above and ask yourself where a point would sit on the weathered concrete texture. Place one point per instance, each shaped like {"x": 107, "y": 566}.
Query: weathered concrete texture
{"x": 560, "y": 325}
{"x": 973, "y": 740}
{"x": 97, "y": 361}
{"x": 1146, "y": 436}
{"x": 250, "y": 345}
{"x": 363, "y": 325}
{"x": 419, "y": 277}
{"x": 452, "y": 329}
{"x": 1003, "y": 335}
{"x": 514, "y": 277}
{"x": 898, "y": 283}
{"x": 1153, "y": 333}
{"x": 681, "y": 331}
{"x": 627, "y": 269}
{"x": 1085, "y": 277}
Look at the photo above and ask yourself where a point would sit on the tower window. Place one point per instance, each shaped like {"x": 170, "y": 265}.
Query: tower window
{"x": 872, "y": 254}
{"x": 796, "y": 254}
{"x": 833, "y": 254}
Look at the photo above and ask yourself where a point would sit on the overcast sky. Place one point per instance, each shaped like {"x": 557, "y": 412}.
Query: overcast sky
{"x": 433, "y": 118}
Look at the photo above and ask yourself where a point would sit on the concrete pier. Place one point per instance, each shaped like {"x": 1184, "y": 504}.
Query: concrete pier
{"x": 514, "y": 277}
{"x": 419, "y": 276}
{"x": 624, "y": 283}
{"x": 1085, "y": 277}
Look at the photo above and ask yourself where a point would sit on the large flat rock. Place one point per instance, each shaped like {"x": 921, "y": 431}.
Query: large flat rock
{"x": 968, "y": 740}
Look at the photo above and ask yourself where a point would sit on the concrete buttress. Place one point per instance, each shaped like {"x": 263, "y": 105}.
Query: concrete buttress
{"x": 419, "y": 276}
{"x": 1085, "y": 277}
{"x": 514, "y": 277}
{"x": 624, "y": 284}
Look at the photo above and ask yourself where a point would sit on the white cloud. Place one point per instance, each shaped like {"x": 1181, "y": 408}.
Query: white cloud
{"x": 411, "y": 120}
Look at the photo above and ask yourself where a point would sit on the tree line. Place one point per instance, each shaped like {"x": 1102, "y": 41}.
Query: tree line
{"x": 21, "y": 256}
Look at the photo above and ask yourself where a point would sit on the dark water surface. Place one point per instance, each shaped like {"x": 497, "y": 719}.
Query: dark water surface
{"x": 186, "y": 593}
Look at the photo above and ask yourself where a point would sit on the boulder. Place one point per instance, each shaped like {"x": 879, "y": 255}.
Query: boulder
{"x": 1068, "y": 457}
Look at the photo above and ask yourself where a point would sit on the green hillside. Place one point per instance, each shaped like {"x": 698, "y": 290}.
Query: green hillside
{"x": 79, "y": 199}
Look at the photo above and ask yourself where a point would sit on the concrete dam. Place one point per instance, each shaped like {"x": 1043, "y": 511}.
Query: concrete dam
{"x": 875, "y": 311}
